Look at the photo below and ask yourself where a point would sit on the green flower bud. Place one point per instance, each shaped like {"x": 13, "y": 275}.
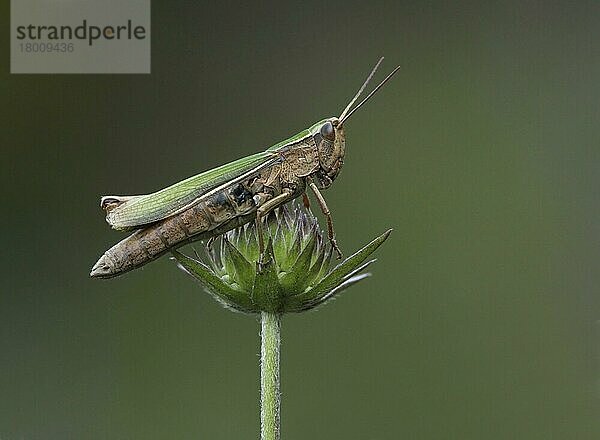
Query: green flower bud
{"x": 295, "y": 273}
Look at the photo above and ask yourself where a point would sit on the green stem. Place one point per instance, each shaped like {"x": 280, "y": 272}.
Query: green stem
{"x": 269, "y": 376}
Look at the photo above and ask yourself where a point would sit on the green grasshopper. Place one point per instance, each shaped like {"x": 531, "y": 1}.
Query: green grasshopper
{"x": 216, "y": 201}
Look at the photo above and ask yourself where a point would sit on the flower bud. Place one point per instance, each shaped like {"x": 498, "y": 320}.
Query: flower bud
{"x": 294, "y": 274}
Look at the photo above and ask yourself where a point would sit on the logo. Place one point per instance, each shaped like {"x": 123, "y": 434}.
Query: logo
{"x": 80, "y": 36}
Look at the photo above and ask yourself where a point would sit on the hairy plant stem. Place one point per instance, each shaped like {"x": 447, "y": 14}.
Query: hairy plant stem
{"x": 269, "y": 376}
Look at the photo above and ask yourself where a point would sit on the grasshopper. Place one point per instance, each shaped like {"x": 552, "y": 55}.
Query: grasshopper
{"x": 216, "y": 201}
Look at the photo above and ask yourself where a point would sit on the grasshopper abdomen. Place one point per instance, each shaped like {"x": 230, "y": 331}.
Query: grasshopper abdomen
{"x": 218, "y": 213}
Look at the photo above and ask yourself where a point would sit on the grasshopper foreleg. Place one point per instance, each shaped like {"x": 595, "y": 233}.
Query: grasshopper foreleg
{"x": 327, "y": 214}
{"x": 262, "y": 211}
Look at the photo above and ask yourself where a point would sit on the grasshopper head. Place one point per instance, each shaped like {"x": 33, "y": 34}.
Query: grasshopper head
{"x": 330, "y": 138}
{"x": 331, "y": 146}
{"x": 329, "y": 134}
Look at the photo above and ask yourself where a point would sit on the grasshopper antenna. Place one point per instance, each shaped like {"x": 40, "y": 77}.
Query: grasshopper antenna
{"x": 362, "y": 88}
{"x": 344, "y": 116}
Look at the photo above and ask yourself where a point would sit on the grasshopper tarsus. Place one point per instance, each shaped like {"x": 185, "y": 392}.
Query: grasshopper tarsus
{"x": 336, "y": 248}
{"x": 262, "y": 261}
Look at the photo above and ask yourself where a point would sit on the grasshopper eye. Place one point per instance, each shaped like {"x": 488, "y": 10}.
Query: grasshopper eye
{"x": 327, "y": 131}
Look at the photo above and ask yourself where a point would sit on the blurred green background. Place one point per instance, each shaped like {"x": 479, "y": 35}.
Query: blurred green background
{"x": 481, "y": 319}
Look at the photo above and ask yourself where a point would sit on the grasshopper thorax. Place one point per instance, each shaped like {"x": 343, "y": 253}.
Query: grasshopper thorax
{"x": 330, "y": 140}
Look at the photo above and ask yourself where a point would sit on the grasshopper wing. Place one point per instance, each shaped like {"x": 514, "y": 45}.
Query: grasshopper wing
{"x": 126, "y": 212}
